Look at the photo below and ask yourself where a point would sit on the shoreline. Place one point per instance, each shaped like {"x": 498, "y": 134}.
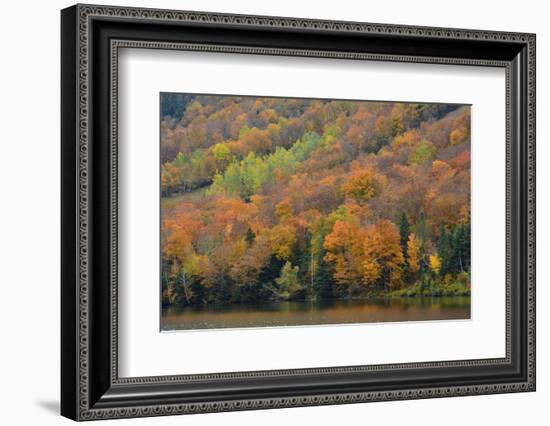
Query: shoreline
{"x": 320, "y": 302}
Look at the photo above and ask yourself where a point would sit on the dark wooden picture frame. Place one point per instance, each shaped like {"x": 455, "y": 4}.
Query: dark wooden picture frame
{"x": 90, "y": 38}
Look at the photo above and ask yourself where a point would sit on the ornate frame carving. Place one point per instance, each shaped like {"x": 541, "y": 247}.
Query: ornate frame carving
{"x": 85, "y": 398}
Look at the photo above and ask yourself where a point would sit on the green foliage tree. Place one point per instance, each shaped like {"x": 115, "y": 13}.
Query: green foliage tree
{"x": 404, "y": 232}
{"x": 221, "y": 151}
{"x": 288, "y": 283}
{"x": 424, "y": 151}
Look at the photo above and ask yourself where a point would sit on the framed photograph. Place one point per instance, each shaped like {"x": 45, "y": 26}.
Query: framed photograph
{"x": 263, "y": 212}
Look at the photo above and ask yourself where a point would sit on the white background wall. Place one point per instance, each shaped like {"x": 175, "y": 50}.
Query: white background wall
{"x": 29, "y": 212}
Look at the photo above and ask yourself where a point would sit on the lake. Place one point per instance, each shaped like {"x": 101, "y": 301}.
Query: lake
{"x": 316, "y": 313}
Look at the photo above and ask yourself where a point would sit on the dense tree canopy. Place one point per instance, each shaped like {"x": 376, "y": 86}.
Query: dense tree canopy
{"x": 274, "y": 199}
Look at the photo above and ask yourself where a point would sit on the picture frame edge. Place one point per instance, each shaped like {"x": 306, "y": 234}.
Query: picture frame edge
{"x": 83, "y": 400}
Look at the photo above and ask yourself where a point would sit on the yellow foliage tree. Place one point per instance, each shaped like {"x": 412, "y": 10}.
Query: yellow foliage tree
{"x": 435, "y": 263}
{"x": 361, "y": 185}
{"x": 282, "y": 238}
{"x": 458, "y": 135}
{"x": 413, "y": 251}
{"x": 284, "y": 210}
{"x": 383, "y": 255}
{"x": 345, "y": 252}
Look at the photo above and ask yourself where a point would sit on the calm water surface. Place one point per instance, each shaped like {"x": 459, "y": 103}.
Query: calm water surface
{"x": 316, "y": 312}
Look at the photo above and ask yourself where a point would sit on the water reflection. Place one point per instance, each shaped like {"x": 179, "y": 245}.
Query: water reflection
{"x": 316, "y": 312}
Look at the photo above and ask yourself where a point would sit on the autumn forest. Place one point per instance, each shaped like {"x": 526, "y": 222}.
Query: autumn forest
{"x": 272, "y": 200}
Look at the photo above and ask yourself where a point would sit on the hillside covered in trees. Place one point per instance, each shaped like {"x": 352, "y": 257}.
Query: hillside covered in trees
{"x": 271, "y": 199}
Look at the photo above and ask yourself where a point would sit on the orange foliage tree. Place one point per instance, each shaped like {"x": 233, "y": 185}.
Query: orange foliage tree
{"x": 383, "y": 259}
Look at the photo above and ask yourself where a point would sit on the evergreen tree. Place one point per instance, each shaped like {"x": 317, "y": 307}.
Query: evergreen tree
{"x": 421, "y": 231}
{"x": 461, "y": 249}
{"x": 445, "y": 250}
{"x": 466, "y": 246}
{"x": 404, "y": 232}
{"x": 250, "y": 236}
{"x": 164, "y": 284}
{"x": 271, "y": 271}
{"x": 322, "y": 274}
{"x": 323, "y": 283}
{"x": 306, "y": 262}
{"x": 422, "y": 227}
